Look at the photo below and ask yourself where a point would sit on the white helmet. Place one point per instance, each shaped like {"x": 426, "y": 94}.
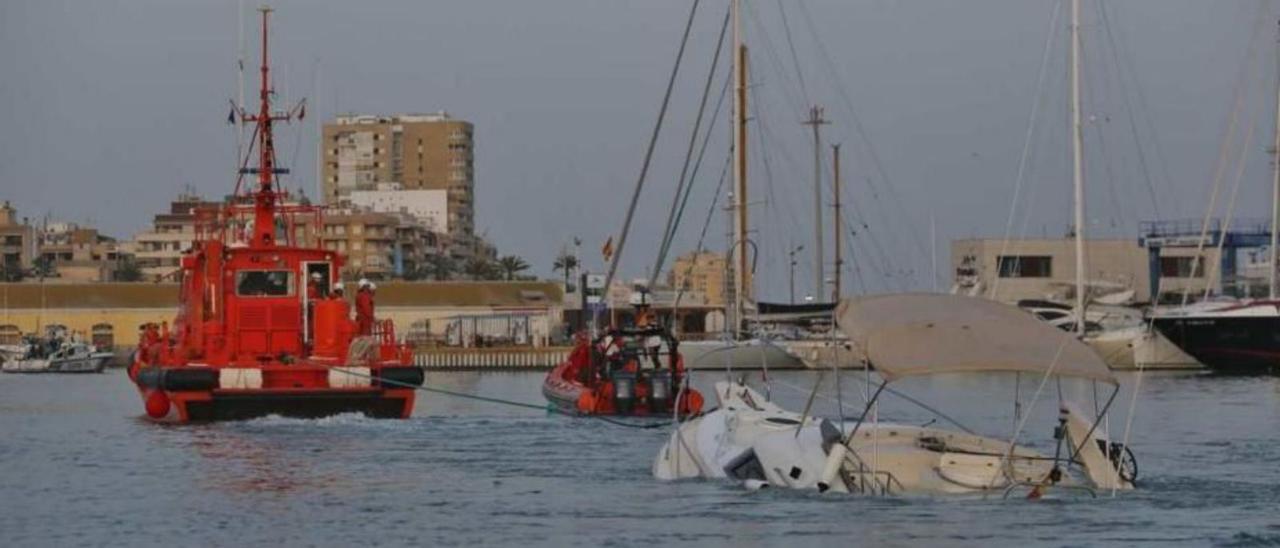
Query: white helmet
{"x": 316, "y": 276}
{"x": 364, "y": 282}
{"x": 338, "y": 286}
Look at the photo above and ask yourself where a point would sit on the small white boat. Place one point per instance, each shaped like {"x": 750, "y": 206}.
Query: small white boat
{"x": 760, "y": 444}
{"x": 73, "y": 357}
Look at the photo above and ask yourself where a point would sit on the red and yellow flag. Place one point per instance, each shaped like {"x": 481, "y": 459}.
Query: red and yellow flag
{"x": 607, "y": 250}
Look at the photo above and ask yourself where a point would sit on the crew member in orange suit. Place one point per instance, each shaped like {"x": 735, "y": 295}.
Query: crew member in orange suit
{"x": 364, "y": 307}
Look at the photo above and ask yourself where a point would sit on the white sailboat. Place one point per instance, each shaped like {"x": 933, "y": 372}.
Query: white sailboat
{"x": 753, "y": 441}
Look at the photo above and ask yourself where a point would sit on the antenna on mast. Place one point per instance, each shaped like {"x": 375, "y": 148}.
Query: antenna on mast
{"x": 267, "y": 195}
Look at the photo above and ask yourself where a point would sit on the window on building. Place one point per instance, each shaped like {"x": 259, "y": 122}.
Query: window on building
{"x": 10, "y": 334}
{"x": 1181, "y": 267}
{"x": 264, "y": 283}
{"x": 1026, "y": 266}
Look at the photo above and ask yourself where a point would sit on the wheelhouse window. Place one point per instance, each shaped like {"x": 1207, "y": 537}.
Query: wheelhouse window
{"x": 1026, "y": 266}
{"x": 264, "y": 283}
{"x": 1181, "y": 267}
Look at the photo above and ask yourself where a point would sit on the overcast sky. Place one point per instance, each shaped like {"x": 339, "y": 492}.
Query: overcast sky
{"x": 109, "y": 108}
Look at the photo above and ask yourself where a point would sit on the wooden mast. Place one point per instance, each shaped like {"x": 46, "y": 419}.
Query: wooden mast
{"x": 741, "y": 266}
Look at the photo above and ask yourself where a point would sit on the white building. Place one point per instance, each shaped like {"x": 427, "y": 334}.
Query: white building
{"x": 429, "y": 207}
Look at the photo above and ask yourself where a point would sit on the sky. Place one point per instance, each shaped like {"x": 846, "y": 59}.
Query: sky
{"x": 109, "y": 109}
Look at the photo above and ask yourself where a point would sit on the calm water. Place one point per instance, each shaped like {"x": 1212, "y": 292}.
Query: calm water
{"x": 80, "y": 468}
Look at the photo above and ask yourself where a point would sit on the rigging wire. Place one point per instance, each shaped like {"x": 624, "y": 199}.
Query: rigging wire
{"x": 653, "y": 141}
{"x": 1128, "y": 108}
{"x": 711, "y": 212}
{"x": 862, "y": 133}
{"x": 1216, "y": 270}
{"x": 791, "y": 46}
{"x": 673, "y": 218}
{"x": 1225, "y": 150}
{"x": 1024, "y": 158}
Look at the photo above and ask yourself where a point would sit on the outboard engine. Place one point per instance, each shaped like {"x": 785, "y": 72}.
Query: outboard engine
{"x": 624, "y": 391}
{"x": 659, "y": 390}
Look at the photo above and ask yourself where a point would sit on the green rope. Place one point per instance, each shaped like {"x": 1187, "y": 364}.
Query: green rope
{"x": 549, "y": 408}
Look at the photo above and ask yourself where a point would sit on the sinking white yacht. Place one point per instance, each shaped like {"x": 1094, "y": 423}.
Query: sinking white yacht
{"x": 749, "y": 439}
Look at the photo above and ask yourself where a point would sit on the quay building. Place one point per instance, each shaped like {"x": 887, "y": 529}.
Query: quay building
{"x": 1166, "y": 260}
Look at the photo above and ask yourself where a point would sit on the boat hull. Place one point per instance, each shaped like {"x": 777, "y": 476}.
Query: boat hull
{"x": 233, "y": 405}
{"x": 201, "y": 394}
{"x": 88, "y": 364}
{"x": 1229, "y": 344}
{"x": 565, "y": 393}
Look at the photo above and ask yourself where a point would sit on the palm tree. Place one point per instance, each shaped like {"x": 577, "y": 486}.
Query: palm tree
{"x": 512, "y": 265}
{"x": 440, "y": 267}
{"x": 128, "y": 271}
{"x": 479, "y": 268}
{"x": 566, "y": 263}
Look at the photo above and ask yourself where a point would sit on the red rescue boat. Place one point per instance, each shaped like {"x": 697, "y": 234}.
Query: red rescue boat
{"x": 627, "y": 372}
{"x": 258, "y": 331}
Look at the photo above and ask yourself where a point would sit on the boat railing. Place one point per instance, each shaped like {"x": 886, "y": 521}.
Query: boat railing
{"x": 865, "y": 480}
{"x": 301, "y": 225}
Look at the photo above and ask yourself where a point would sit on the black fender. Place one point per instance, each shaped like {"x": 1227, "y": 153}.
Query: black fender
{"x": 400, "y": 376}
{"x": 178, "y": 379}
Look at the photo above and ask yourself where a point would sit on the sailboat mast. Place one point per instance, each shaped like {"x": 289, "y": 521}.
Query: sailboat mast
{"x": 1275, "y": 185}
{"x": 741, "y": 278}
{"x": 835, "y": 187}
{"x": 816, "y": 121}
{"x": 1077, "y": 154}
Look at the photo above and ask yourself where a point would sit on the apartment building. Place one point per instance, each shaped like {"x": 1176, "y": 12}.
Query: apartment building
{"x": 379, "y": 246}
{"x": 80, "y": 254}
{"x": 409, "y": 152}
{"x": 159, "y": 250}
{"x": 17, "y": 244}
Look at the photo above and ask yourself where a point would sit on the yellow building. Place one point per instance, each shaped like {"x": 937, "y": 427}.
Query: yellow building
{"x": 111, "y": 313}
{"x": 701, "y": 274}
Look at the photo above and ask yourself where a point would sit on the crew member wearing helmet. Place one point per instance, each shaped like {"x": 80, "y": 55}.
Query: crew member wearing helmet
{"x": 315, "y": 292}
{"x": 364, "y": 307}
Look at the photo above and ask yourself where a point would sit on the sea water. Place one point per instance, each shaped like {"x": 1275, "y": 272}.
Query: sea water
{"x": 79, "y": 466}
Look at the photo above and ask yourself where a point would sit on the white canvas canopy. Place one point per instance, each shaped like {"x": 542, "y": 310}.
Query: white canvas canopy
{"x": 929, "y": 334}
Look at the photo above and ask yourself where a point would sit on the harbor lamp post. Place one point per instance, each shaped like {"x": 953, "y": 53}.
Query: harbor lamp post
{"x": 792, "y": 255}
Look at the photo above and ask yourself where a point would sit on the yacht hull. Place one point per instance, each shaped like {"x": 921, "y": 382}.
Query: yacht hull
{"x": 1228, "y": 344}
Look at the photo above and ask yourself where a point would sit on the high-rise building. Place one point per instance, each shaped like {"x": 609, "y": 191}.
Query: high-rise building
{"x": 410, "y": 152}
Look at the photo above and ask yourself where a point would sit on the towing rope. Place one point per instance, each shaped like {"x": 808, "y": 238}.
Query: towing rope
{"x": 549, "y": 408}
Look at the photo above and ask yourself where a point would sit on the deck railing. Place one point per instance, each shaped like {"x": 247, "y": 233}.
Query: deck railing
{"x": 491, "y": 358}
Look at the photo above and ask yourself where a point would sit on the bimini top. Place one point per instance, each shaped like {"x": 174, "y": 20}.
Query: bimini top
{"x": 930, "y": 334}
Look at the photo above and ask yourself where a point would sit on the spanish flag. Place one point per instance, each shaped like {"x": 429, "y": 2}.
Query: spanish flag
{"x": 607, "y": 250}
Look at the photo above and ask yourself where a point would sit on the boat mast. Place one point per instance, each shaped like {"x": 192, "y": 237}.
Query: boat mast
{"x": 264, "y": 200}
{"x": 741, "y": 278}
{"x": 835, "y": 186}
{"x": 1275, "y": 186}
{"x": 816, "y": 121}
{"x": 1077, "y": 154}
